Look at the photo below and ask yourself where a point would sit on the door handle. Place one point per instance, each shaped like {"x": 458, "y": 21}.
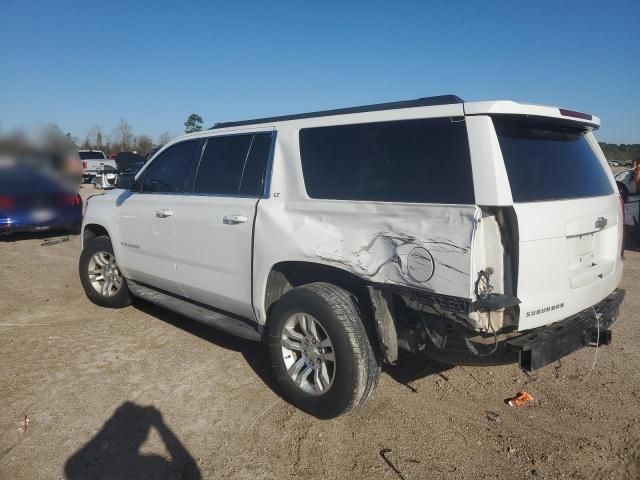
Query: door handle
{"x": 234, "y": 219}
{"x": 163, "y": 213}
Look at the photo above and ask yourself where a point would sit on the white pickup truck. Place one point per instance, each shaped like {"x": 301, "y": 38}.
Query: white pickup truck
{"x": 481, "y": 232}
{"x": 93, "y": 163}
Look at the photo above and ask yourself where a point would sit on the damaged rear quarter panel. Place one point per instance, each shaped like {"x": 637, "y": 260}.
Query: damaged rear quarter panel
{"x": 425, "y": 246}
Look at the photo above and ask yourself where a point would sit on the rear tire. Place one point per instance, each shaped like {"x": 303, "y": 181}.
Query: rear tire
{"x": 329, "y": 388}
{"x": 101, "y": 279}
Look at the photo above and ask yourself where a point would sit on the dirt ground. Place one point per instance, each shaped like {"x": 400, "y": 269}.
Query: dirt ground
{"x": 144, "y": 393}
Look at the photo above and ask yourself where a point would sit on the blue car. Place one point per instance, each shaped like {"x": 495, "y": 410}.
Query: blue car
{"x": 31, "y": 200}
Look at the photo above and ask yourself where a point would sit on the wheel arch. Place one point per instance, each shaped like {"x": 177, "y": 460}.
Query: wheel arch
{"x": 285, "y": 275}
{"x": 93, "y": 230}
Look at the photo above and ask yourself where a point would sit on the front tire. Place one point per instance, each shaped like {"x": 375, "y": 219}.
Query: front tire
{"x": 100, "y": 276}
{"x": 320, "y": 351}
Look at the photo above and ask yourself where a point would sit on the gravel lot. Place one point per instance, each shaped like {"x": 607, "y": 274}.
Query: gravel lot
{"x": 144, "y": 393}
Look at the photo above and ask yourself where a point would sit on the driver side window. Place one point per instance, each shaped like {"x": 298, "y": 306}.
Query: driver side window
{"x": 168, "y": 172}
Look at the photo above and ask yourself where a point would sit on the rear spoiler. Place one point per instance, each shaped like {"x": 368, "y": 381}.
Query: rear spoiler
{"x": 507, "y": 107}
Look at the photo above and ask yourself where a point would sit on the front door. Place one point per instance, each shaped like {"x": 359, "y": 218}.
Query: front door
{"x": 214, "y": 225}
{"x": 146, "y": 217}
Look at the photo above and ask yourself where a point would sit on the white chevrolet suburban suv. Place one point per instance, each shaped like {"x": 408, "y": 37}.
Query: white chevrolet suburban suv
{"x": 484, "y": 232}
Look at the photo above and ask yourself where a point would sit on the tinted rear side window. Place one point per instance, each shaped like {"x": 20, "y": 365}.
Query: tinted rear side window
{"x": 549, "y": 162}
{"x": 422, "y": 161}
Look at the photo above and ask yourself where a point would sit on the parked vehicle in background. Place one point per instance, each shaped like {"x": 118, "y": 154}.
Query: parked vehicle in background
{"x": 34, "y": 200}
{"x": 105, "y": 178}
{"x": 484, "y": 232}
{"x": 153, "y": 152}
{"x": 132, "y": 169}
{"x": 125, "y": 159}
{"x": 630, "y": 196}
{"x": 626, "y": 183}
{"x": 92, "y": 161}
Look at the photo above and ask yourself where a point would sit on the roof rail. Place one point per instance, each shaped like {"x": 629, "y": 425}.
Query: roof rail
{"x": 420, "y": 102}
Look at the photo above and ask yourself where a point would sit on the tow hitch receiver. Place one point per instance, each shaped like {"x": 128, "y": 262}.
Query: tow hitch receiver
{"x": 544, "y": 345}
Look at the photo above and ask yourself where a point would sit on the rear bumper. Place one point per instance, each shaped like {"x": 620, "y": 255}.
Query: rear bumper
{"x": 65, "y": 220}
{"x": 544, "y": 345}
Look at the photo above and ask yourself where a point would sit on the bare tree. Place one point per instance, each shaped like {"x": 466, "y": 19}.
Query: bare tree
{"x": 123, "y": 136}
{"x": 164, "y": 138}
{"x": 96, "y": 137}
{"x": 144, "y": 144}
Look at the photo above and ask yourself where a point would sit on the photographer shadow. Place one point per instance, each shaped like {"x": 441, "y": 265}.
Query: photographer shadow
{"x": 114, "y": 452}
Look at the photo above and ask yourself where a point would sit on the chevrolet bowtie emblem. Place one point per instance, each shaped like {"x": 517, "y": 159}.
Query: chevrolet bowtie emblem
{"x": 601, "y": 222}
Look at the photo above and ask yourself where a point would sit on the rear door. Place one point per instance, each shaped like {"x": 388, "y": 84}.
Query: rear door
{"x": 214, "y": 223}
{"x": 569, "y": 218}
{"x": 146, "y": 217}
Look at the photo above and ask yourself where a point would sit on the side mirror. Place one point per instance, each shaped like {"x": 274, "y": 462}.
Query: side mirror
{"x": 126, "y": 181}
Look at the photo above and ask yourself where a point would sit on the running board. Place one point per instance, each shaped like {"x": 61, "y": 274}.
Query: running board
{"x": 229, "y": 324}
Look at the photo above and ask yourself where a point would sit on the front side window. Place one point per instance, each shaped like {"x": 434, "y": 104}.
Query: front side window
{"x": 168, "y": 171}
{"x": 233, "y": 165}
{"x": 419, "y": 161}
{"x": 549, "y": 162}
{"x": 220, "y": 169}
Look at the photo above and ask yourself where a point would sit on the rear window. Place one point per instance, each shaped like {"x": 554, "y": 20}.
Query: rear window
{"x": 549, "y": 162}
{"x": 91, "y": 156}
{"x": 419, "y": 161}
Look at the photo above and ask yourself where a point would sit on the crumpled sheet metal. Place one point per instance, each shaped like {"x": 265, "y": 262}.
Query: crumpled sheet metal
{"x": 422, "y": 246}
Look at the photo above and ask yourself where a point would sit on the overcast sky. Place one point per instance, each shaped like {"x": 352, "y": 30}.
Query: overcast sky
{"x": 79, "y": 64}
